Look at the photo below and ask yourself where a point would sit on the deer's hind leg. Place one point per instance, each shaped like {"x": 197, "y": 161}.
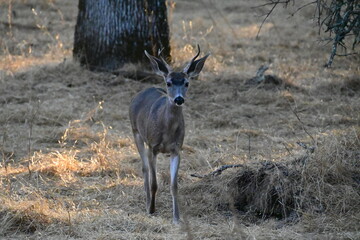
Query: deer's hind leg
{"x": 140, "y": 144}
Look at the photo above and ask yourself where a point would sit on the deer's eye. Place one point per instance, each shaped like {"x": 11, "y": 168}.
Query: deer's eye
{"x": 187, "y": 84}
{"x": 168, "y": 84}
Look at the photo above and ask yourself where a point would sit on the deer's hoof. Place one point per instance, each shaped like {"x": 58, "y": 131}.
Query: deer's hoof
{"x": 176, "y": 221}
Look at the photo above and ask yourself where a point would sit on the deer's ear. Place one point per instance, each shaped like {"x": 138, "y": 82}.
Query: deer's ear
{"x": 194, "y": 67}
{"x": 159, "y": 66}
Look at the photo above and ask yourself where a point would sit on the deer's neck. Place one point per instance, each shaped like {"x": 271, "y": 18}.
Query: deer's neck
{"x": 173, "y": 111}
{"x": 173, "y": 117}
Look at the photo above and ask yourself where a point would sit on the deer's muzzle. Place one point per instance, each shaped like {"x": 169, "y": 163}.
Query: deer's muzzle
{"x": 179, "y": 100}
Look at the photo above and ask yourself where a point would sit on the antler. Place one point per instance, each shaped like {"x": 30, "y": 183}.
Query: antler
{"x": 159, "y": 55}
{"x": 192, "y": 60}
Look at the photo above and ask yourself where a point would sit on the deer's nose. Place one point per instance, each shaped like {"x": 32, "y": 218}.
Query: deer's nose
{"x": 179, "y": 100}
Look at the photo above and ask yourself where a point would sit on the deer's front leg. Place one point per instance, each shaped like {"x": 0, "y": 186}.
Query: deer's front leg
{"x": 174, "y": 167}
{"x": 153, "y": 181}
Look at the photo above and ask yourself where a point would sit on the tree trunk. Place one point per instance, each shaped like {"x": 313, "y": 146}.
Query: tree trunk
{"x": 109, "y": 33}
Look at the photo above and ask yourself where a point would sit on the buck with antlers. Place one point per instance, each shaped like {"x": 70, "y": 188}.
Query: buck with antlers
{"x": 158, "y": 124}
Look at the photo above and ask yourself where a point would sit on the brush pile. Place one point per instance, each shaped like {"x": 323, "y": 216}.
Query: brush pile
{"x": 326, "y": 181}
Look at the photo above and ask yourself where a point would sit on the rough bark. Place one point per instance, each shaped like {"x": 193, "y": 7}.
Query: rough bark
{"x": 109, "y": 33}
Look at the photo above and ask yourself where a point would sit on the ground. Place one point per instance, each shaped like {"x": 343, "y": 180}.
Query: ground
{"x": 70, "y": 169}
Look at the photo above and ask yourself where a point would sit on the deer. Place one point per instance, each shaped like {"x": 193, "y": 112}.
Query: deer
{"x": 158, "y": 126}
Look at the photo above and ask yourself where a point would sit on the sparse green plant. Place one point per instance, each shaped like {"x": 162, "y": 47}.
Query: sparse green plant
{"x": 341, "y": 19}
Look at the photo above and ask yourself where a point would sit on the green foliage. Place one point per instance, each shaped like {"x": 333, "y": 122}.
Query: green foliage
{"x": 342, "y": 21}
{"x": 339, "y": 18}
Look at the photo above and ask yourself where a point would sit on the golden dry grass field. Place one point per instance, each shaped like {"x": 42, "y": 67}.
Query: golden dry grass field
{"x": 70, "y": 170}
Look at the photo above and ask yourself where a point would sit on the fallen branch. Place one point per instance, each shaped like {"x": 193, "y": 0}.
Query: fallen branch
{"x": 218, "y": 171}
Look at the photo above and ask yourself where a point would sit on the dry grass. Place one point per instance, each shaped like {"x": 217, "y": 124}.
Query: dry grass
{"x": 69, "y": 168}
